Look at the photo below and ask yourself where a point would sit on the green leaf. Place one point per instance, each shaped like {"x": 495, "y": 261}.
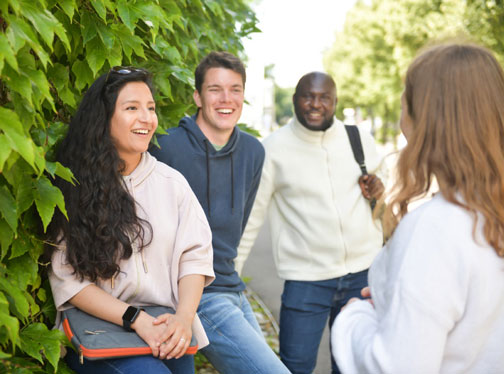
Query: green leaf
{"x": 7, "y": 321}
{"x": 5, "y": 150}
{"x": 13, "y": 130}
{"x": 129, "y": 42}
{"x": 7, "y": 52}
{"x": 47, "y": 197}
{"x": 83, "y": 74}
{"x": 18, "y": 82}
{"x": 6, "y": 237}
{"x": 99, "y": 6}
{"x": 88, "y": 27}
{"x": 95, "y": 55}
{"x": 20, "y": 29}
{"x": 37, "y": 338}
{"x": 24, "y": 193}
{"x": 18, "y": 298}
{"x": 127, "y": 14}
{"x": 39, "y": 79}
{"x": 22, "y": 270}
{"x": 8, "y": 208}
{"x": 64, "y": 173}
{"x": 68, "y": 7}
{"x": 106, "y": 35}
{"x": 20, "y": 246}
{"x": 115, "y": 54}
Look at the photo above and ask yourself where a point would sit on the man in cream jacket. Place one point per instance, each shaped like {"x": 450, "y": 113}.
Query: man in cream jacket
{"x": 323, "y": 235}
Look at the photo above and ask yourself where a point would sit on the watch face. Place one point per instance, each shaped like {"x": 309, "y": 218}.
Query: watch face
{"x": 130, "y": 313}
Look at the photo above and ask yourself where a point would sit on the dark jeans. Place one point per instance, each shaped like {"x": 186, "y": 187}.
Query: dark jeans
{"x": 131, "y": 365}
{"x": 306, "y": 307}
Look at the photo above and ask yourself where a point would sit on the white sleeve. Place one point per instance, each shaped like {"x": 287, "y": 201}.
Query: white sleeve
{"x": 257, "y": 215}
{"x": 423, "y": 283}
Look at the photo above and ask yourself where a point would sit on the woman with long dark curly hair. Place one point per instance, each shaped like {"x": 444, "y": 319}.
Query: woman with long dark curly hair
{"x": 135, "y": 235}
{"x": 438, "y": 284}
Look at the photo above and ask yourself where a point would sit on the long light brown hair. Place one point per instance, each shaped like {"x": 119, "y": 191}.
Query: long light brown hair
{"x": 455, "y": 98}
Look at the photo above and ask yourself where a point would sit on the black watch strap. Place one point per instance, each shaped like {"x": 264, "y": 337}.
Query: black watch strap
{"x": 129, "y": 316}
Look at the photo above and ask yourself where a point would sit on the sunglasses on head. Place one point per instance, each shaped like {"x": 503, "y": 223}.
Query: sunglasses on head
{"x": 124, "y": 70}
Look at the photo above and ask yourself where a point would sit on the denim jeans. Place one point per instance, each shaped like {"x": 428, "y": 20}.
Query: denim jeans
{"x": 306, "y": 307}
{"x": 237, "y": 345}
{"x": 131, "y": 365}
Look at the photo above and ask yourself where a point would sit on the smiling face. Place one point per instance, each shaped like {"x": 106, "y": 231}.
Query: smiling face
{"x": 315, "y": 101}
{"x": 133, "y": 123}
{"x": 220, "y": 102}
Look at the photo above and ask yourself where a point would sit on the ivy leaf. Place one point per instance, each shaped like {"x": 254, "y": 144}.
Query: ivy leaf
{"x": 20, "y": 29}
{"x": 129, "y": 41}
{"x": 13, "y": 130}
{"x": 64, "y": 173}
{"x": 99, "y": 6}
{"x": 95, "y": 55}
{"x": 23, "y": 270}
{"x": 10, "y": 323}
{"x": 115, "y": 54}
{"x": 5, "y": 150}
{"x": 37, "y": 338}
{"x": 68, "y": 7}
{"x": 19, "y": 83}
{"x": 7, "y": 52}
{"x": 88, "y": 28}
{"x": 6, "y": 237}
{"x": 24, "y": 193}
{"x": 8, "y": 208}
{"x": 106, "y": 35}
{"x": 40, "y": 80}
{"x": 47, "y": 197}
{"x": 19, "y": 301}
{"x": 83, "y": 74}
{"x": 127, "y": 14}
{"x": 20, "y": 246}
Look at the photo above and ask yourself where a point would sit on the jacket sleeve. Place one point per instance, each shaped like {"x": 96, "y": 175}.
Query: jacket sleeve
{"x": 257, "y": 214}
{"x": 193, "y": 242}
{"x": 64, "y": 283}
{"x": 374, "y": 162}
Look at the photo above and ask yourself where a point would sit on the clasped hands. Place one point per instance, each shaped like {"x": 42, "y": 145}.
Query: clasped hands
{"x": 168, "y": 335}
{"x": 371, "y": 186}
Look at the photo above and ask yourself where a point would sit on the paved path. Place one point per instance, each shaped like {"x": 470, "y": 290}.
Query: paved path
{"x": 266, "y": 283}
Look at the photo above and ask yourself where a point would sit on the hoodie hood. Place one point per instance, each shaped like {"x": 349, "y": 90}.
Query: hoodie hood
{"x": 141, "y": 172}
{"x": 200, "y": 140}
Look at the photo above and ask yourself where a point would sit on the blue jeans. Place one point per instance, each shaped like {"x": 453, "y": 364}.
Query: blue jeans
{"x": 306, "y": 306}
{"x": 237, "y": 344}
{"x": 131, "y": 365}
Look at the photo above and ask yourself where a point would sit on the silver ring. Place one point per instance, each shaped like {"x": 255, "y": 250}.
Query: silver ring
{"x": 182, "y": 340}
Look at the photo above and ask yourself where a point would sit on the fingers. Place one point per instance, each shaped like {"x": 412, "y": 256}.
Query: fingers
{"x": 366, "y": 292}
{"x": 175, "y": 347}
{"x": 371, "y": 186}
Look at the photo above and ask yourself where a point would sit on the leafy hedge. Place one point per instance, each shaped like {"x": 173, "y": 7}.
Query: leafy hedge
{"x": 50, "y": 52}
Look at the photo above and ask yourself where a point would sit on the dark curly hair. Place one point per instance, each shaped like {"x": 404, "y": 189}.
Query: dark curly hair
{"x": 102, "y": 222}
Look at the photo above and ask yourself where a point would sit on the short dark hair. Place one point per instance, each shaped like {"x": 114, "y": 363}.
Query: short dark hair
{"x": 224, "y": 60}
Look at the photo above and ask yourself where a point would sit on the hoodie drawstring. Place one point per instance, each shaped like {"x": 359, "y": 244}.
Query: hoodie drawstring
{"x": 232, "y": 184}
{"x": 207, "y": 177}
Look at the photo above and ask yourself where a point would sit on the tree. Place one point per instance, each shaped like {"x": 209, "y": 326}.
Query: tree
{"x": 380, "y": 38}
{"x": 50, "y": 52}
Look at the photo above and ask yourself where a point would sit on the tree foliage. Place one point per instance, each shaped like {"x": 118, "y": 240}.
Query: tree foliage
{"x": 50, "y": 52}
{"x": 369, "y": 58}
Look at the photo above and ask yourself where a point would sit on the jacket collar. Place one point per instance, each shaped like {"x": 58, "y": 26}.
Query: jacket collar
{"x": 315, "y": 137}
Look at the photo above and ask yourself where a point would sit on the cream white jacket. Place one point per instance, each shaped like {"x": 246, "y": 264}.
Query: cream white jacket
{"x": 321, "y": 225}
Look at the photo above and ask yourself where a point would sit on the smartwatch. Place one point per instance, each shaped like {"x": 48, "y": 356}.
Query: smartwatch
{"x": 129, "y": 316}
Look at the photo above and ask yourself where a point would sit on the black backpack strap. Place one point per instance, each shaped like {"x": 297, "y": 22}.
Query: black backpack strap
{"x": 355, "y": 142}
{"x": 358, "y": 152}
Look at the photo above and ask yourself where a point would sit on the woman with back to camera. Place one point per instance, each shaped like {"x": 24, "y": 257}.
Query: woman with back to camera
{"x": 438, "y": 284}
{"x": 136, "y": 234}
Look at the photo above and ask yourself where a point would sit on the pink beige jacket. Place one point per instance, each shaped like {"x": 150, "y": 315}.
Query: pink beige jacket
{"x": 181, "y": 245}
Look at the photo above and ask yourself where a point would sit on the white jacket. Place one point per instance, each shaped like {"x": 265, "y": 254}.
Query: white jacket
{"x": 321, "y": 225}
{"x": 438, "y": 301}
